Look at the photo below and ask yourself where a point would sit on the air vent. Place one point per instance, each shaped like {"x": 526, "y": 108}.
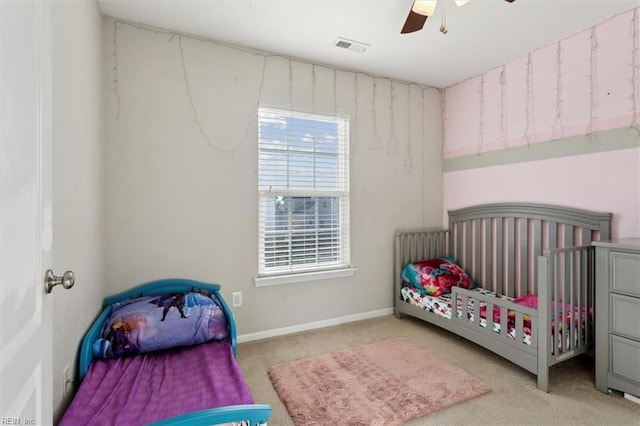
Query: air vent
{"x": 355, "y": 46}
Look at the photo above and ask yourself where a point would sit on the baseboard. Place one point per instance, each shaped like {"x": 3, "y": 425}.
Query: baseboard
{"x": 632, "y": 398}
{"x": 242, "y": 338}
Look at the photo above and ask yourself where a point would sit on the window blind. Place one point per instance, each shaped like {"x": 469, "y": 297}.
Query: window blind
{"x": 303, "y": 184}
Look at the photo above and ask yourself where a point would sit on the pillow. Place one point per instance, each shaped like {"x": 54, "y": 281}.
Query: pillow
{"x": 152, "y": 323}
{"x": 436, "y": 276}
{"x": 529, "y": 300}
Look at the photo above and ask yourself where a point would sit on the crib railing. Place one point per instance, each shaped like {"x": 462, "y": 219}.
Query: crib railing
{"x": 414, "y": 246}
{"x": 566, "y": 280}
{"x": 463, "y": 298}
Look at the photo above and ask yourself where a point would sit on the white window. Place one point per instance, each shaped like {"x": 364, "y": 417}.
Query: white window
{"x": 303, "y": 181}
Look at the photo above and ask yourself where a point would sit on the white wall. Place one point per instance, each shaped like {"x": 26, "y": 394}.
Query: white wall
{"x": 181, "y": 169}
{"x": 78, "y": 180}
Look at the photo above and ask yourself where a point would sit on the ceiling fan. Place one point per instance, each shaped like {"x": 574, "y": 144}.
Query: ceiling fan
{"x": 421, "y": 10}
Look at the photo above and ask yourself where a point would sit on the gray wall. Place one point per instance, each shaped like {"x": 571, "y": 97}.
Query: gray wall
{"x": 78, "y": 180}
{"x": 181, "y": 169}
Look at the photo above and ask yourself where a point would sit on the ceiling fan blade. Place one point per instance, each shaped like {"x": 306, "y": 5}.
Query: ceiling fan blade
{"x": 414, "y": 22}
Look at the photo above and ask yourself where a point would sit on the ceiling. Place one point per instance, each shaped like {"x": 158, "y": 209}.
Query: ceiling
{"x": 481, "y": 35}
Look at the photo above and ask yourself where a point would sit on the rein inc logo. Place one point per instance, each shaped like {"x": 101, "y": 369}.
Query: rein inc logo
{"x": 17, "y": 421}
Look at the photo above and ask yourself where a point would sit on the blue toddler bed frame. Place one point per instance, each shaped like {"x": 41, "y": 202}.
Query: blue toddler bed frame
{"x": 255, "y": 414}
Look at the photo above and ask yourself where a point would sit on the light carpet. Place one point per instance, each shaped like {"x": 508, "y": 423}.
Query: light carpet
{"x": 384, "y": 383}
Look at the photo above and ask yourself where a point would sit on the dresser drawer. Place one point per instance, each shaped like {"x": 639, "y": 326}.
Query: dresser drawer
{"x": 625, "y": 316}
{"x": 625, "y": 358}
{"x": 625, "y": 272}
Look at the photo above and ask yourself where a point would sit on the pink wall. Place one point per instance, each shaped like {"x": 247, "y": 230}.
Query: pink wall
{"x": 524, "y": 101}
{"x": 599, "y": 182}
{"x": 582, "y": 85}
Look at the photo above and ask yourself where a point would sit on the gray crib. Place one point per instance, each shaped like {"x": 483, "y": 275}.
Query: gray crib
{"x": 514, "y": 249}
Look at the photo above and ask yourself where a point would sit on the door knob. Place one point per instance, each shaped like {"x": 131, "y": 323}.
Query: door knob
{"x": 67, "y": 280}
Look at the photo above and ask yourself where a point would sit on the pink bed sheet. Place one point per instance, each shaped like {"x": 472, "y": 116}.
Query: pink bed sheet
{"x": 140, "y": 389}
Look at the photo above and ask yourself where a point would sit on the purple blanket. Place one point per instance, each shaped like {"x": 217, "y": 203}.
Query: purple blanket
{"x": 143, "y": 388}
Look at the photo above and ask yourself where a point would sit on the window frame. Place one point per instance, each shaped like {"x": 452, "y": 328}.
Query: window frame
{"x": 342, "y": 191}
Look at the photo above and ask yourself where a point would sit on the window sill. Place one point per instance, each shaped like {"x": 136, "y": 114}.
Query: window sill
{"x": 302, "y": 277}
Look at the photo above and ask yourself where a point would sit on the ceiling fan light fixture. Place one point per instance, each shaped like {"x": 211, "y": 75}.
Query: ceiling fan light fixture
{"x": 421, "y": 10}
{"x": 424, "y": 7}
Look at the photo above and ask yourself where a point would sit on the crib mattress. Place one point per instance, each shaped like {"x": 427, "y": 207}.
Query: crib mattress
{"x": 441, "y": 305}
{"x": 140, "y": 389}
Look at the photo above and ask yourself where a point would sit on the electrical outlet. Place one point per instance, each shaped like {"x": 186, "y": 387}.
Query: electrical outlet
{"x": 68, "y": 380}
{"x": 237, "y": 299}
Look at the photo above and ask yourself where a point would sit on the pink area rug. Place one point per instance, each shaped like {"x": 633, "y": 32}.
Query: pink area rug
{"x": 384, "y": 383}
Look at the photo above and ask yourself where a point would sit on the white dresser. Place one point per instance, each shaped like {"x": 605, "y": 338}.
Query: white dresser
{"x": 617, "y": 315}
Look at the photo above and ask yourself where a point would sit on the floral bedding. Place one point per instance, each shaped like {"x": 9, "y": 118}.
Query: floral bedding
{"x": 435, "y": 277}
{"x": 441, "y": 306}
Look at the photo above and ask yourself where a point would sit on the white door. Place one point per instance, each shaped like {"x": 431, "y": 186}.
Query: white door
{"x": 25, "y": 212}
